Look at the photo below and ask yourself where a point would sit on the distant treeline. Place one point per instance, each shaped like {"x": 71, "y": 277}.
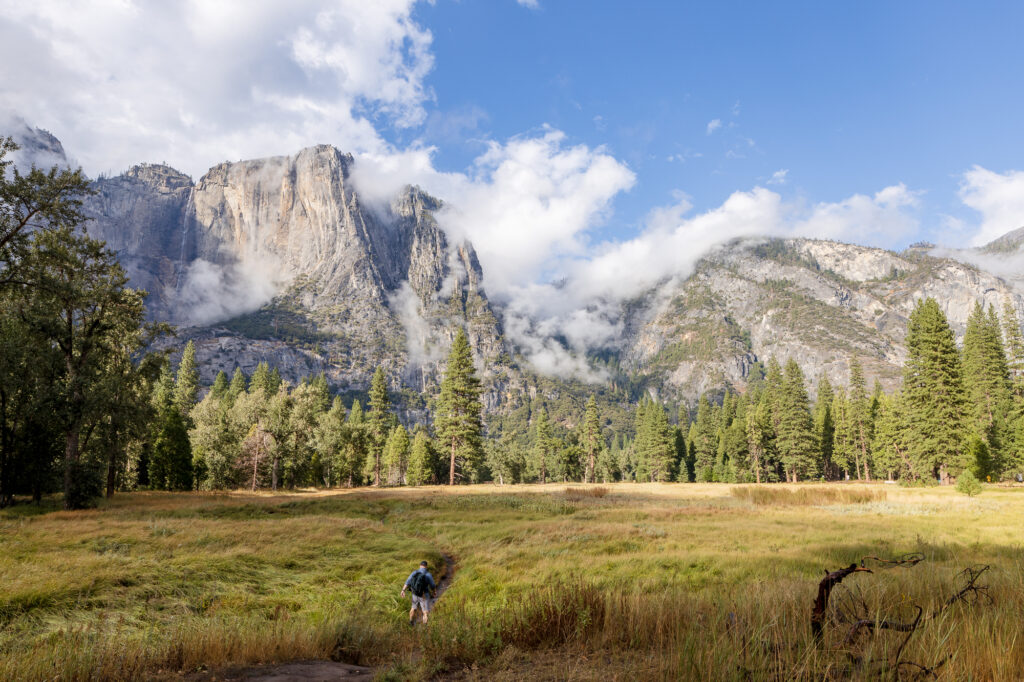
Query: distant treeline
{"x": 84, "y": 410}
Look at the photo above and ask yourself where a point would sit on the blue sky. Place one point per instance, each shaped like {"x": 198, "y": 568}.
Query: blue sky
{"x": 846, "y": 97}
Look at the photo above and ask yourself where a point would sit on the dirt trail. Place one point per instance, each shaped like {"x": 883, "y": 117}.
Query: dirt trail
{"x": 311, "y": 671}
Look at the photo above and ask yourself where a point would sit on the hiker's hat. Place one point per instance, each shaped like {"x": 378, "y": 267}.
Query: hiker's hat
{"x": 423, "y": 563}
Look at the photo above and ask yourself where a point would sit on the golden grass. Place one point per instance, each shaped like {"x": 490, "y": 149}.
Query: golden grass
{"x": 805, "y": 496}
{"x": 651, "y": 581}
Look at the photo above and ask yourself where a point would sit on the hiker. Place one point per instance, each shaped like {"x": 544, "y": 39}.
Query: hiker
{"x": 423, "y": 589}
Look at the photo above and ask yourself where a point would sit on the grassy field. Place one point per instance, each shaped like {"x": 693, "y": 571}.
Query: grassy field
{"x": 673, "y": 581}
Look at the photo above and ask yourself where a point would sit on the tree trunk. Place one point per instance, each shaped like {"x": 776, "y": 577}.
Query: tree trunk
{"x": 111, "y": 472}
{"x": 273, "y": 473}
{"x": 591, "y": 475}
{"x": 71, "y": 454}
{"x": 451, "y": 466}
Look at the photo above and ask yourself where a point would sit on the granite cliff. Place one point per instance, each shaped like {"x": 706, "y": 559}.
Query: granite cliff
{"x": 282, "y": 260}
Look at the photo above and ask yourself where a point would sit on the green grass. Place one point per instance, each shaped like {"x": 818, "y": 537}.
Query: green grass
{"x": 675, "y": 581}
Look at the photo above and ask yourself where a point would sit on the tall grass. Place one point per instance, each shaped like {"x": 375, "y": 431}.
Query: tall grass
{"x": 652, "y": 582}
{"x": 805, "y": 496}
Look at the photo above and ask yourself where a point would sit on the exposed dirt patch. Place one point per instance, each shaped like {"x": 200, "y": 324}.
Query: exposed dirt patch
{"x": 296, "y": 671}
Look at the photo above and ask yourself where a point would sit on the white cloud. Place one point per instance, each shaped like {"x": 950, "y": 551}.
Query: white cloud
{"x": 532, "y": 4}
{"x": 583, "y": 308}
{"x": 198, "y": 82}
{"x": 714, "y": 125}
{"x": 885, "y": 219}
{"x": 778, "y": 177}
{"x": 998, "y": 197}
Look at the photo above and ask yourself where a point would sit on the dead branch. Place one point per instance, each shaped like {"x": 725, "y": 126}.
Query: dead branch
{"x": 852, "y": 609}
{"x": 824, "y": 590}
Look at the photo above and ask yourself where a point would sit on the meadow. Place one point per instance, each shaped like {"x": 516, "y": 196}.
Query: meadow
{"x": 624, "y": 581}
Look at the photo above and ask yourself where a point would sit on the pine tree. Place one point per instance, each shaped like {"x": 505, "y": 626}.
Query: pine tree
{"x": 860, "y": 420}
{"x": 655, "y": 445}
{"x": 843, "y": 439}
{"x": 220, "y": 386}
{"x": 214, "y": 443}
{"x": 422, "y": 459}
{"x": 824, "y": 427}
{"x": 262, "y": 381}
{"x": 934, "y": 395}
{"x": 1014, "y": 343}
{"x": 457, "y": 417}
{"x": 379, "y": 421}
{"x": 759, "y": 438}
{"x": 170, "y": 467}
{"x": 329, "y": 439}
{"x": 186, "y": 384}
{"x": 592, "y": 439}
{"x": 544, "y": 445}
{"x": 396, "y": 455}
{"x": 705, "y": 440}
{"x": 889, "y": 444}
{"x": 796, "y": 442}
{"x": 239, "y": 385}
{"x": 986, "y": 375}
{"x": 356, "y": 443}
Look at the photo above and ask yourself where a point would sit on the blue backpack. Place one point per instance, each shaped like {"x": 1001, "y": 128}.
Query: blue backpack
{"x": 420, "y": 584}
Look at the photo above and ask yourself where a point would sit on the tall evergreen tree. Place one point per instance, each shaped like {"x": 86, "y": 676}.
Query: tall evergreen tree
{"x": 379, "y": 421}
{"x": 655, "y": 445}
{"x": 219, "y": 389}
{"x": 458, "y": 415}
{"x": 824, "y": 427}
{"x": 860, "y": 420}
{"x": 544, "y": 445}
{"x": 889, "y": 444}
{"x": 796, "y": 442}
{"x": 186, "y": 383}
{"x": 704, "y": 440}
{"x": 239, "y": 384}
{"x": 396, "y": 455}
{"x": 592, "y": 440}
{"x": 262, "y": 381}
{"x": 422, "y": 459}
{"x": 934, "y": 396}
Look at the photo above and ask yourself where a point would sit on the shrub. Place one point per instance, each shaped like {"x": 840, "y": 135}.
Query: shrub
{"x": 968, "y": 484}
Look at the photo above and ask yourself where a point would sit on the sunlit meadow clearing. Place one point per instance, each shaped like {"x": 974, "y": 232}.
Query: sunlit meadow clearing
{"x": 655, "y": 581}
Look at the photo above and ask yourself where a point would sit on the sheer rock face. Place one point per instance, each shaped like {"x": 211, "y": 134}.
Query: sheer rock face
{"x": 346, "y": 287}
{"x": 818, "y": 302}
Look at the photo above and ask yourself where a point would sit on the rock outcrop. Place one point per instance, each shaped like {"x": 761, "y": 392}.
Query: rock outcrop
{"x": 819, "y": 302}
{"x": 289, "y": 265}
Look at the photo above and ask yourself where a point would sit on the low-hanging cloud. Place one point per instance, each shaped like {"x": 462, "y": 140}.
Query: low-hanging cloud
{"x": 211, "y": 292}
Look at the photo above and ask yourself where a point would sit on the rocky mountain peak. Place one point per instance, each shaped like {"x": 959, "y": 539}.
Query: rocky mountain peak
{"x": 161, "y": 178}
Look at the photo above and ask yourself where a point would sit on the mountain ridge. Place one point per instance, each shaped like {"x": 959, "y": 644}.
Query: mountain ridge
{"x": 281, "y": 260}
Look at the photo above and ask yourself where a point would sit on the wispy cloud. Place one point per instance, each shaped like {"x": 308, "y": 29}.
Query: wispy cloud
{"x": 713, "y": 125}
{"x": 778, "y": 177}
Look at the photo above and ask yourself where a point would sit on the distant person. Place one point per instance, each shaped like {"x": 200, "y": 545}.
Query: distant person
{"x": 423, "y": 589}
